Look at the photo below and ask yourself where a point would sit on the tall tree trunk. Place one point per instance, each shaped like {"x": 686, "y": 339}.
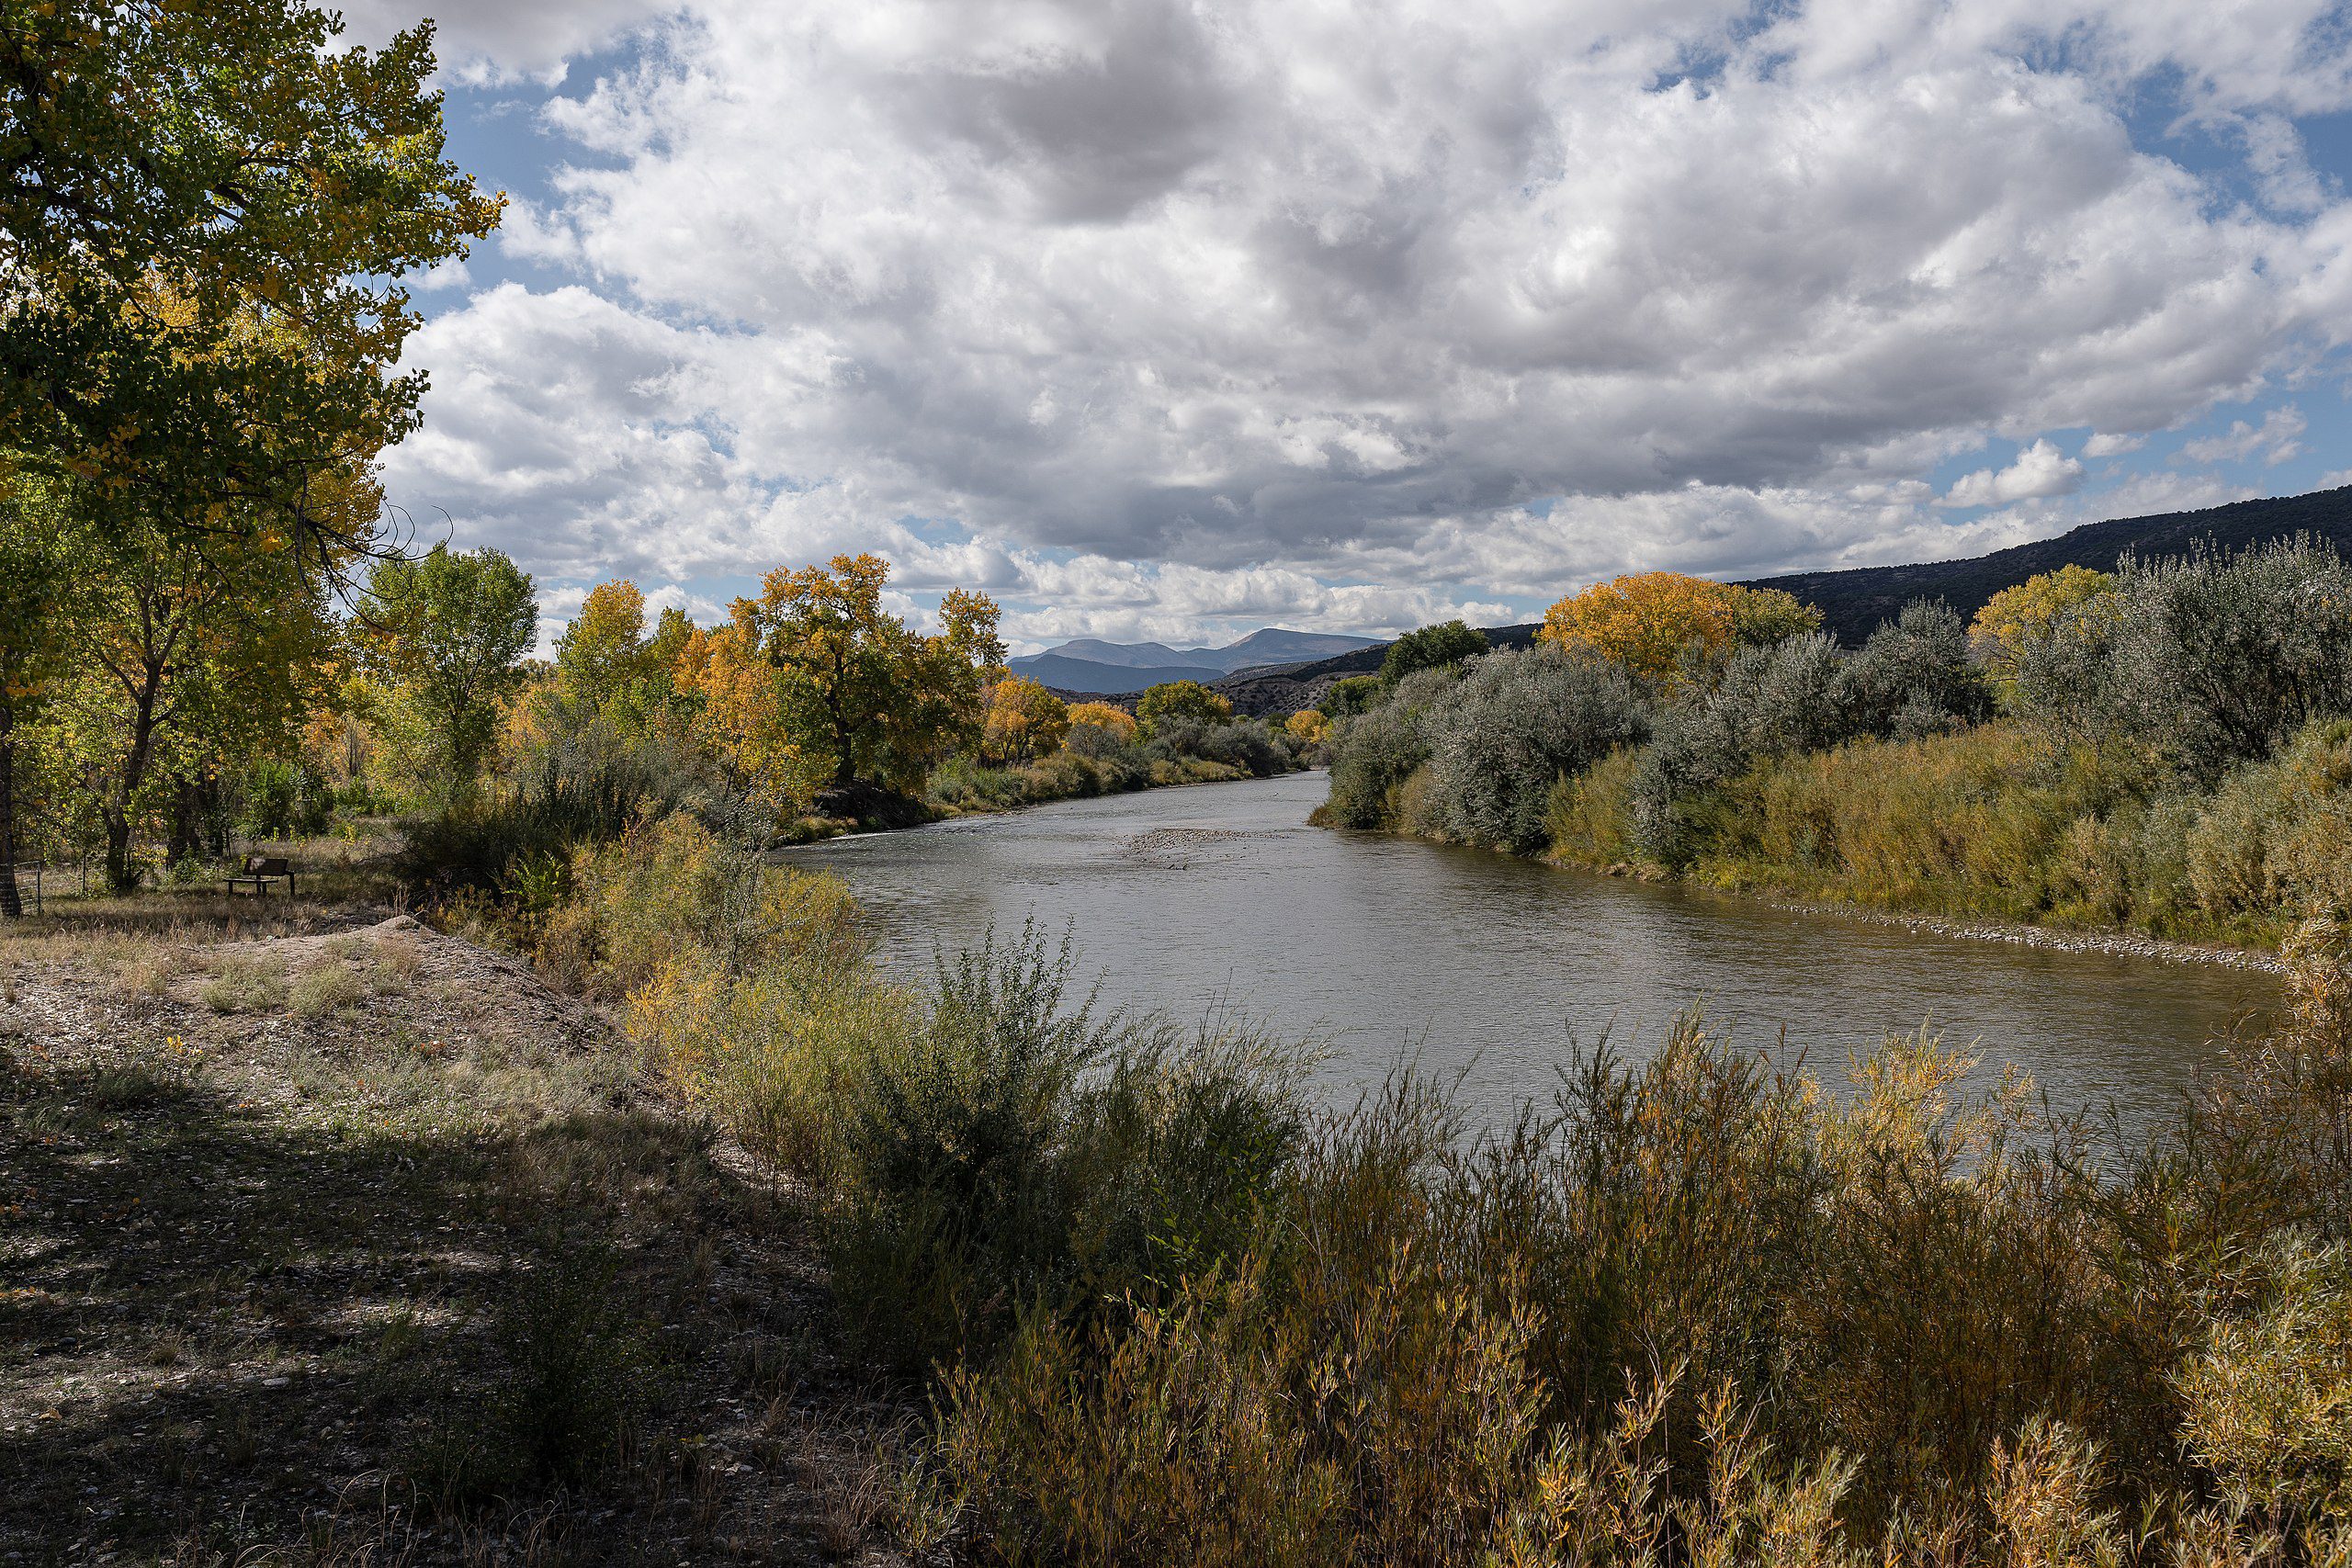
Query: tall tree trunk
{"x": 187, "y": 819}
{"x": 214, "y": 819}
{"x": 12, "y": 906}
{"x": 121, "y": 875}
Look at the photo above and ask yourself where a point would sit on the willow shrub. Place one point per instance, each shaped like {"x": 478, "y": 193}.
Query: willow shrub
{"x": 1517, "y": 722}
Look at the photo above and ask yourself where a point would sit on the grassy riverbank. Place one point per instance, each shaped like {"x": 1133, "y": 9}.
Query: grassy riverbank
{"x": 968, "y": 785}
{"x": 1171, "y": 1310}
{"x": 1989, "y": 824}
{"x": 647, "y": 1195}
{"x": 2167, "y": 750}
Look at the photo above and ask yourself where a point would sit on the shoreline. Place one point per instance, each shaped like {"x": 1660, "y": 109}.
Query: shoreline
{"x": 956, "y": 814}
{"x": 2112, "y": 940}
{"x": 2116, "y": 941}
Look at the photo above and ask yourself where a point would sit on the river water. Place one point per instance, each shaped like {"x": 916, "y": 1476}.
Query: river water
{"x": 1221, "y": 897}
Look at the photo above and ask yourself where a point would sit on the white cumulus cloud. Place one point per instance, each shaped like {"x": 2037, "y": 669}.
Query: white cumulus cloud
{"x": 1263, "y": 308}
{"x": 2273, "y": 439}
{"x": 2040, "y": 471}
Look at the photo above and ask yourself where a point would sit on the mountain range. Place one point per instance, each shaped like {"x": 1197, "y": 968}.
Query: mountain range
{"x": 1089, "y": 665}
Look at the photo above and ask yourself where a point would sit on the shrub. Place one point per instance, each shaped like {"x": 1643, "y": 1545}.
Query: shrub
{"x": 1374, "y": 752}
{"x": 1250, "y": 747}
{"x": 569, "y": 798}
{"x": 1430, "y": 647}
{"x": 579, "y": 1370}
{"x": 1914, "y": 676}
{"x": 2206, "y": 661}
{"x": 282, "y": 798}
{"x": 2266, "y": 1399}
{"x": 1016, "y": 1148}
{"x": 1514, "y": 726}
{"x": 1700, "y": 1312}
{"x": 672, "y": 892}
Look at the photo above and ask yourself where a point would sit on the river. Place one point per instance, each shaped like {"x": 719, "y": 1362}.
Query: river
{"x": 1220, "y": 895}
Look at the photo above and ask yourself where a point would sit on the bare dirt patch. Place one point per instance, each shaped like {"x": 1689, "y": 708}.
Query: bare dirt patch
{"x": 339, "y": 1240}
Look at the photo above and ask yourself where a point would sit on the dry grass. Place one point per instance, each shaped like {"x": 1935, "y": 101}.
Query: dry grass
{"x": 260, "y": 1261}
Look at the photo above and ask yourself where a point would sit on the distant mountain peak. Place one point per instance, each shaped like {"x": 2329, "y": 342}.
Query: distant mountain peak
{"x": 1269, "y": 645}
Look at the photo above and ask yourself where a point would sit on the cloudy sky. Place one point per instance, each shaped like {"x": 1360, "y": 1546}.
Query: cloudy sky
{"x": 1164, "y": 320}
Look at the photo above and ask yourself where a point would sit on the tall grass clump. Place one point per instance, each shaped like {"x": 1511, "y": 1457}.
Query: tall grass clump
{"x": 1018, "y": 1150}
{"x": 746, "y": 984}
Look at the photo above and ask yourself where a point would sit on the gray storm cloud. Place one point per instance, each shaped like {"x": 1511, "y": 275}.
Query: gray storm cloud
{"x": 1442, "y": 290}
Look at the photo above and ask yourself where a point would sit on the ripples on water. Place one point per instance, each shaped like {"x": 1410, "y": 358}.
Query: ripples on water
{"x": 1193, "y": 899}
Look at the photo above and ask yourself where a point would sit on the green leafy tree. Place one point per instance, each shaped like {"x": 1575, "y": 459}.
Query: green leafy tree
{"x": 37, "y": 617}
{"x": 188, "y": 648}
{"x": 1351, "y": 694}
{"x": 209, "y": 212}
{"x": 862, "y": 693}
{"x": 448, "y": 630}
{"x": 1450, "y": 642}
{"x": 1181, "y": 700}
{"x": 603, "y": 658}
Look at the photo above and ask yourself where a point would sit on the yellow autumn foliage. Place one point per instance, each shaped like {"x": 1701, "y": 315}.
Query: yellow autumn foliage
{"x": 1113, "y": 721}
{"x": 1664, "y": 625}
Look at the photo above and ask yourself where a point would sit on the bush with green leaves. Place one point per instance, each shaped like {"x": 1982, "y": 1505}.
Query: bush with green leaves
{"x": 1916, "y": 676}
{"x": 1020, "y": 1147}
{"x": 1515, "y": 725}
{"x": 1793, "y": 695}
{"x": 1246, "y": 745}
{"x": 1431, "y": 648}
{"x": 280, "y": 798}
{"x": 2206, "y": 661}
{"x": 1374, "y": 752}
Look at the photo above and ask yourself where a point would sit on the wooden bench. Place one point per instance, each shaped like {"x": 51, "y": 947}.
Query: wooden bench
{"x": 261, "y": 871}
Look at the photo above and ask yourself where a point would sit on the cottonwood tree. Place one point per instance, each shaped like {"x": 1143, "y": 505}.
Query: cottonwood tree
{"x": 877, "y": 700}
{"x": 1024, "y": 720}
{"x": 1669, "y": 630}
{"x": 207, "y": 210}
{"x": 44, "y": 597}
{"x": 1181, "y": 700}
{"x": 186, "y": 647}
{"x": 734, "y": 702}
{"x": 448, "y": 631}
{"x": 607, "y": 664}
{"x": 2016, "y": 618}
{"x": 1449, "y": 642}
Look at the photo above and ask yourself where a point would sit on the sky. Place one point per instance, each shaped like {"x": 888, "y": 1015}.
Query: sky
{"x": 1172, "y": 321}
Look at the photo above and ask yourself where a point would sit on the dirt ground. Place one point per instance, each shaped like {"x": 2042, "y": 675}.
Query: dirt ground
{"x": 327, "y": 1239}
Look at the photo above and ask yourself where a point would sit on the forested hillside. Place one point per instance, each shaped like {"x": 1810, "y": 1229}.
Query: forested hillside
{"x": 1853, "y": 603}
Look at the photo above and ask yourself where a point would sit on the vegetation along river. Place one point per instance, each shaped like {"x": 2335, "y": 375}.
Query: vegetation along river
{"x": 1389, "y": 948}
